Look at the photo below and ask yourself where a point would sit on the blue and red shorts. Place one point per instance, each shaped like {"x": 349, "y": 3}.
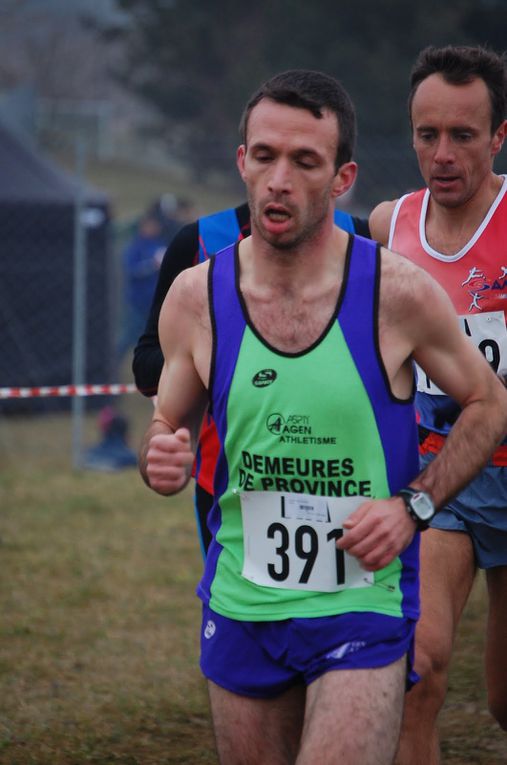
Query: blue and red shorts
{"x": 479, "y": 510}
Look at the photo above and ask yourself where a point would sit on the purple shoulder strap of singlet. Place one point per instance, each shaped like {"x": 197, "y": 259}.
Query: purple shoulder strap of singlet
{"x": 228, "y": 325}
{"x": 358, "y": 313}
{"x": 358, "y": 318}
{"x": 227, "y": 318}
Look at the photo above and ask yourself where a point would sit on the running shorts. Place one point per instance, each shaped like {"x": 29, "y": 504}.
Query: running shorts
{"x": 480, "y": 511}
{"x": 264, "y": 659}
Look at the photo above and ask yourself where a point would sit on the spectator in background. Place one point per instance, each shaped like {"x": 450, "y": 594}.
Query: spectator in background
{"x": 112, "y": 452}
{"x": 141, "y": 261}
{"x": 172, "y": 212}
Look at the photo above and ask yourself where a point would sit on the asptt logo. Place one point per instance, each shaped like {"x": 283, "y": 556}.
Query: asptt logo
{"x": 295, "y": 424}
{"x": 263, "y": 378}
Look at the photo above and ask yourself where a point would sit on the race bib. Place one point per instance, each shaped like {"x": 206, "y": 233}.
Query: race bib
{"x": 290, "y": 542}
{"x": 488, "y": 333}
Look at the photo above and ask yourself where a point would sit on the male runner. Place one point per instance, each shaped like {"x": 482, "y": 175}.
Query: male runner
{"x": 193, "y": 244}
{"x": 302, "y": 338}
{"x": 456, "y": 229}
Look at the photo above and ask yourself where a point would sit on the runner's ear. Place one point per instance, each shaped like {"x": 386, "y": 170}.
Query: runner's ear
{"x": 498, "y": 138}
{"x": 240, "y": 160}
{"x": 344, "y": 179}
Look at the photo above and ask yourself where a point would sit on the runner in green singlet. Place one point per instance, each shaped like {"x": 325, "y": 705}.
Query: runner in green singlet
{"x": 310, "y": 597}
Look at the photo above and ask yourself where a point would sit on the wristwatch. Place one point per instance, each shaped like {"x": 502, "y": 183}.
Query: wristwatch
{"x": 419, "y": 506}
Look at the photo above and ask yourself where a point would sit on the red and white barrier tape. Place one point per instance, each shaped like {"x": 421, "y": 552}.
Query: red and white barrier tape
{"x": 68, "y": 390}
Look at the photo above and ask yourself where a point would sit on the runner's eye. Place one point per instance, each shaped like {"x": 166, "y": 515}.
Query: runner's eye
{"x": 463, "y": 137}
{"x": 262, "y": 158}
{"x": 307, "y": 164}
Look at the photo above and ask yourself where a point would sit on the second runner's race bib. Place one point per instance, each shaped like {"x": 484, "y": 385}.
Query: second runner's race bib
{"x": 488, "y": 333}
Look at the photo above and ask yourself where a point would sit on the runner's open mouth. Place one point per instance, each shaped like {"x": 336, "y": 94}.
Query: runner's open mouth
{"x": 277, "y": 214}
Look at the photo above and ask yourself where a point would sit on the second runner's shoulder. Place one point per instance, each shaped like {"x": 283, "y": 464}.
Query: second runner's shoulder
{"x": 380, "y": 221}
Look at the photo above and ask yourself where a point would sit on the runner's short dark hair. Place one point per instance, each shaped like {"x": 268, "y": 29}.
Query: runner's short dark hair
{"x": 459, "y": 65}
{"x": 316, "y": 92}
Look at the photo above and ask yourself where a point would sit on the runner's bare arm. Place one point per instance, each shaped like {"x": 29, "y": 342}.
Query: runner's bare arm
{"x": 380, "y": 221}
{"x": 418, "y": 321}
{"x": 462, "y": 372}
{"x": 168, "y": 447}
{"x": 429, "y": 323}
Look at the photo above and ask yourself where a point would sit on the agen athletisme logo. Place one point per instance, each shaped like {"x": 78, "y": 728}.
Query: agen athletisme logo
{"x": 295, "y": 424}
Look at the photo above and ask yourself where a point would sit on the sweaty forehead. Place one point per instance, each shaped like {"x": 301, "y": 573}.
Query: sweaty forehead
{"x": 271, "y": 123}
{"x": 436, "y": 100}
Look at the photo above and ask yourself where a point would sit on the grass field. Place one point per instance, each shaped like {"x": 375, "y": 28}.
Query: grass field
{"x": 99, "y": 627}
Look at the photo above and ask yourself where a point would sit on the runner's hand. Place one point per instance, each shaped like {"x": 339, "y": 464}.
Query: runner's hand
{"x": 377, "y": 532}
{"x": 169, "y": 460}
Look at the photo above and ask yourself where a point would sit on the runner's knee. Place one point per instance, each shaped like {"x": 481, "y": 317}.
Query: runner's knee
{"x": 432, "y": 667}
{"x": 432, "y": 655}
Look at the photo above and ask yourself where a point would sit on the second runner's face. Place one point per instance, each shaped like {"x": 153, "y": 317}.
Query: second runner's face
{"x": 288, "y": 166}
{"x": 452, "y": 138}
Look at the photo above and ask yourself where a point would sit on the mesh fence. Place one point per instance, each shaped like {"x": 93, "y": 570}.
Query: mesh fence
{"x": 36, "y": 295}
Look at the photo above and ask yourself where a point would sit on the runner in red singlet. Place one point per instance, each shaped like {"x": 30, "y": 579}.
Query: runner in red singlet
{"x": 456, "y": 229}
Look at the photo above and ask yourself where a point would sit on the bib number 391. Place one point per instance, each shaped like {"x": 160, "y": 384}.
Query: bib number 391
{"x": 290, "y": 542}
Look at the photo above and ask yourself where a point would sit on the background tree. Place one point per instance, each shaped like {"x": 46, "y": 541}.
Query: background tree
{"x": 195, "y": 62}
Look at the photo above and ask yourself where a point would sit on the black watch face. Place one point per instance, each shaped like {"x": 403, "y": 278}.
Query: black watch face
{"x": 422, "y": 506}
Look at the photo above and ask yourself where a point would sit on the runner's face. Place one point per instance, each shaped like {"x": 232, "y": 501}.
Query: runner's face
{"x": 288, "y": 166}
{"x": 452, "y": 138}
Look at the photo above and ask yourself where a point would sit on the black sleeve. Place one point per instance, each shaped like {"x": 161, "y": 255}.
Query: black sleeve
{"x": 361, "y": 227}
{"x": 243, "y": 216}
{"x": 148, "y": 358}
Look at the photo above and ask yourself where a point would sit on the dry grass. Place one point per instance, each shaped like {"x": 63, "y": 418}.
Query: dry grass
{"x": 469, "y": 734}
{"x": 98, "y": 638}
{"x": 98, "y": 635}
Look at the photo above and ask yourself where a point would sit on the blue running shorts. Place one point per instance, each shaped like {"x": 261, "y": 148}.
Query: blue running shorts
{"x": 480, "y": 511}
{"x": 264, "y": 659}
